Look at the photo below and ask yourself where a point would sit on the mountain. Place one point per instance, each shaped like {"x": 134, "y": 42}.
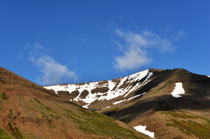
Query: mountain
{"x": 28, "y": 110}
{"x": 170, "y": 103}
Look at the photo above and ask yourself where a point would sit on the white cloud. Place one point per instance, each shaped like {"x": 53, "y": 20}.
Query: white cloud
{"x": 53, "y": 71}
{"x": 135, "y": 48}
{"x": 132, "y": 58}
{"x": 131, "y": 38}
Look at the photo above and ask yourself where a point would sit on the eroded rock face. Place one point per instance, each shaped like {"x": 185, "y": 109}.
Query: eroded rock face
{"x": 84, "y": 94}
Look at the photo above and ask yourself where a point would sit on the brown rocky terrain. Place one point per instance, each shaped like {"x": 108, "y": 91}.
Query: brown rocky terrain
{"x": 28, "y": 110}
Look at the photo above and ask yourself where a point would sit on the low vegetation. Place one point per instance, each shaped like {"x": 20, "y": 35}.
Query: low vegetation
{"x": 15, "y": 131}
{"x": 95, "y": 123}
{"x": 10, "y": 115}
{"x": 43, "y": 106}
{"x": 181, "y": 114}
{"x": 89, "y": 122}
{"x": 4, "y": 135}
{"x": 189, "y": 123}
{"x": 45, "y": 110}
{"x": 3, "y": 96}
{"x": 191, "y": 127}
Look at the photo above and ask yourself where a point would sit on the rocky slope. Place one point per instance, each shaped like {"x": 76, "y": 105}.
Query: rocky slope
{"x": 28, "y": 110}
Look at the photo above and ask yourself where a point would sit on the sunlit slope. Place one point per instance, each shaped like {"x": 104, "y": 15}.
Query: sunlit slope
{"x": 30, "y": 111}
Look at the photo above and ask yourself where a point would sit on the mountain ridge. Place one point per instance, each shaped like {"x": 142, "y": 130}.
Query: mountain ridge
{"x": 113, "y": 88}
{"x": 170, "y": 103}
{"x": 129, "y": 83}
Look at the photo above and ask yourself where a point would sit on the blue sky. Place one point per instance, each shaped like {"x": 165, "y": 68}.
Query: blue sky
{"x": 68, "y": 41}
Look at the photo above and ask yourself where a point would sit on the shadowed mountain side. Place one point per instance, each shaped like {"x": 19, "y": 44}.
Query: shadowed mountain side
{"x": 158, "y": 96}
{"x": 167, "y": 116}
{"x": 161, "y": 103}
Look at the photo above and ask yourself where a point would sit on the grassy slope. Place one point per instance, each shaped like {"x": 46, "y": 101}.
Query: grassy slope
{"x": 29, "y": 111}
{"x": 167, "y": 116}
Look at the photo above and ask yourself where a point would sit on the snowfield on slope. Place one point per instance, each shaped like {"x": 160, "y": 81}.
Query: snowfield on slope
{"x": 114, "y": 89}
{"x": 178, "y": 90}
{"x": 142, "y": 129}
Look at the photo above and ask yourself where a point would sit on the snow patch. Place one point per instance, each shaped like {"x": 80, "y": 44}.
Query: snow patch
{"x": 86, "y": 106}
{"x": 149, "y": 75}
{"x": 136, "y": 96}
{"x": 106, "y": 107}
{"x": 143, "y": 130}
{"x": 178, "y": 90}
{"x": 139, "y": 76}
{"x": 120, "y": 101}
{"x": 111, "y": 85}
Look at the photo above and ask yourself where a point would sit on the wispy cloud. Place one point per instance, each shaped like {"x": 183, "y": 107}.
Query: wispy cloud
{"x": 181, "y": 35}
{"x": 135, "y": 48}
{"x": 53, "y": 71}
